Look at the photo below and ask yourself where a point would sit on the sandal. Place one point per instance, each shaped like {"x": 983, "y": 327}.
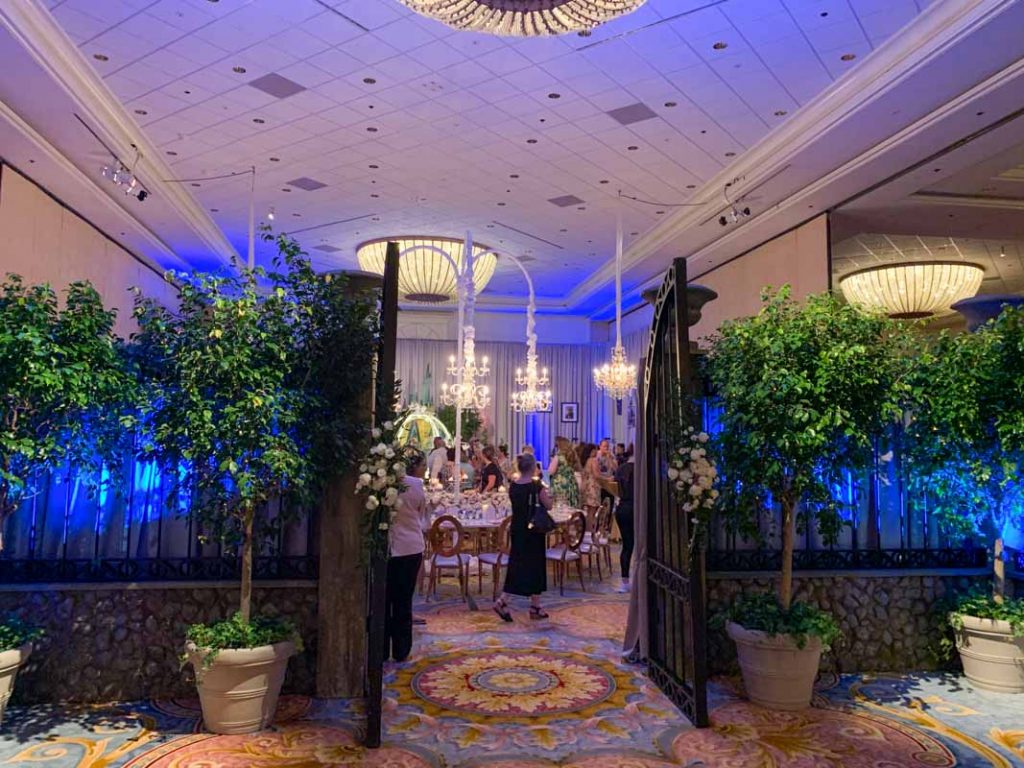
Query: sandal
{"x": 536, "y": 612}
{"x": 502, "y": 610}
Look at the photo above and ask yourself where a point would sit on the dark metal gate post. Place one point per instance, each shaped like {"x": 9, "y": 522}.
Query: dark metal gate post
{"x": 677, "y": 652}
{"x": 378, "y": 566}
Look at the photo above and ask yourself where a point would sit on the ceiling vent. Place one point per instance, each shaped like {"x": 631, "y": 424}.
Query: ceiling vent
{"x": 306, "y": 183}
{"x": 634, "y": 113}
{"x": 565, "y": 201}
{"x": 277, "y": 86}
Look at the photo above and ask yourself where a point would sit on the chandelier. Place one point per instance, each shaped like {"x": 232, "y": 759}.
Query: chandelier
{"x": 914, "y": 289}
{"x": 424, "y": 274}
{"x": 618, "y": 377}
{"x": 466, "y": 393}
{"x": 535, "y": 396}
{"x": 523, "y": 18}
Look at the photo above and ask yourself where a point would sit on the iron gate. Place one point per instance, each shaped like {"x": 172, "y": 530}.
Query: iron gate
{"x": 677, "y": 655}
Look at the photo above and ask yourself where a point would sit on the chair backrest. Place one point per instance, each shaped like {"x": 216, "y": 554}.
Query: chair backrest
{"x": 604, "y": 519}
{"x": 574, "y": 531}
{"x": 504, "y": 537}
{"x": 446, "y": 536}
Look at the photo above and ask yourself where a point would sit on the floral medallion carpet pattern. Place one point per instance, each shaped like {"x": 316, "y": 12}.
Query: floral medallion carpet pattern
{"x": 480, "y": 693}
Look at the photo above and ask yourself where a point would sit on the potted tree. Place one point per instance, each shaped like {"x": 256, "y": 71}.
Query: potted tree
{"x": 65, "y": 388}
{"x": 968, "y": 440}
{"x": 224, "y": 405}
{"x": 16, "y": 639}
{"x": 804, "y": 390}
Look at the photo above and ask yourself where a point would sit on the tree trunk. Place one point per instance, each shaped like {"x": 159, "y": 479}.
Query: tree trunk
{"x": 788, "y": 539}
{"x": 245, "y": 599}
{"x": 998, "y": 572}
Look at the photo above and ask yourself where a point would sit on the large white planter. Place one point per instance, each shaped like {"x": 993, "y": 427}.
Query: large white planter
{"x": 776, "y": 673}
{"x": 10, "y": 663}
{"x": 993, "y": 658}
{"x": 238, "y": 691}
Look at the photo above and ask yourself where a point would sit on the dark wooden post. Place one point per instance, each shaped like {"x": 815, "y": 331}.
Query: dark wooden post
{"x": 341, "y": 638}
{"x": 377, "y": 576}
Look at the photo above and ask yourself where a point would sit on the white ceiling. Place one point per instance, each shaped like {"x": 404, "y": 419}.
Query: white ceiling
{"x": 457, "y": 115}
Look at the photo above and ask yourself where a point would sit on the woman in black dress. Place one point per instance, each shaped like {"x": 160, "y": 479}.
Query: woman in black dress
{"x": 526, "y": 574}
{"x": 491, "y": 477}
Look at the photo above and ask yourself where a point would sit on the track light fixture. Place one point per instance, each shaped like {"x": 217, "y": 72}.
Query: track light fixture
{"x": 122, "y": 176}
{"x": 733, "y": 216}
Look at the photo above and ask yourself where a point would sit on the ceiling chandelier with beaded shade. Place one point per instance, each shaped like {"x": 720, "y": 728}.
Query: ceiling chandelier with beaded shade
{"x": 425, "y": 275}
{"x": 524, "y": 18}
{"x": 617, "y": 377}
{"x": 914, "y": 289}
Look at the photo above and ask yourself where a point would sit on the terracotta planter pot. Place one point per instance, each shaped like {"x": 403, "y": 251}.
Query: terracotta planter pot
{"x": 776, "y": 673}
{"x": 10, "y": 663}
{"x": 238, "y": 691}
{"x": 993, "y": 658}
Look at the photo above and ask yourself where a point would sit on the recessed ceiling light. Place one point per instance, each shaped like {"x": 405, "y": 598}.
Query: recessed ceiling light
{"x": 554, "y": 95}
{"x": 823, "y": 14}
{"x": 582, "y": 208}
{"x": 187, "y": 93}
{"x": 375, "y": 218}
{"x": 531, "y": 141}
{"x": 374, "y": 194}
{"x": 633, "y": 234}
{"x": 703, "y": 131}
{"x": 297, "y": 215}
{"x": 490, "y": 226}
{"x": 513, "y": 175}
{"x": 691, "y": 186}
{"x": 371, "y": 129}
{"x": 671, "y": 104}
{"x": 979, "y": 114}
{"x": 101, "y": 57}
{"x": 633, "y": 148}
{"x": 936, "y": 170}
{"x": 172, "y": 153}
{"x": 286, "y": 189}
{"x": 238, "y": 70}
{"x": 848, "y": 57}
{"x": 259, "y": 120}
{"x": 501, "y": 205}
{"x": 720, "y": 46}
{"x": 603, "y": 181}
{"x": 275, "y": 159}
{"x": 730, "y": 154}
{"x": 369, "y": 81}
{"x": 658, "y": 213}
{"x": 196, "y": 184}
{"x": 780, "y": 112}
{"x": 563, "y": 230}
{"x": 374, "y": 167}
{"x": 215, "y": 210}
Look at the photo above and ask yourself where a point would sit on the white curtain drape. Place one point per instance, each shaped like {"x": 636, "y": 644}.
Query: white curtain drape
{"x": 422, "y": 364}
{"x": 624, "y": 419}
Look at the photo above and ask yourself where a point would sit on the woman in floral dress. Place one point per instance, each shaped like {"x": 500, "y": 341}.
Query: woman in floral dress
{"x": 562, "y": 471}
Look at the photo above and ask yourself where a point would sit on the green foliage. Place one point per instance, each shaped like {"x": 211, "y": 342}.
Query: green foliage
{"x": 252, "y": 391}
{"x": 65, "y": 389}
{"x": 471, "y": 422}
{"x": 982, "y": 605}
{"x": 238, "y": 632}
{"x": 966, "y": 440}
{"x": 763, "y": 612}
{"x": 805, "y": 389}
{"x": 14, "y": 633}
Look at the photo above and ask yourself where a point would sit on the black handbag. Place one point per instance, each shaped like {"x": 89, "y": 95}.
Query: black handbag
{"x": 541, "y": 521}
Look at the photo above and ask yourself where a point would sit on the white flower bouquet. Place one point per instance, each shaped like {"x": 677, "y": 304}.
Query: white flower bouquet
{"x": 693, "y": 475}
{"x": 380, "y": 482}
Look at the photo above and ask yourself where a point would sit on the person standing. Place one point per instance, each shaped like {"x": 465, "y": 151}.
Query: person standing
{"x": 624, "y": 518}
{"x": 406, "y": 557}
{"x": 562, "y": 473}
{"x": 491, "y": 476}
{"x": 527, "y": 573}
{"x": 606, "y": 465}
{"x": 590, "y": 489}
{"x": 437, "y": 460}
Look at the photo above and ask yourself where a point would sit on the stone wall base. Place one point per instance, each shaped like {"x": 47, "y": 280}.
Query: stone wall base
{"x": 124, "y": 642}
{"x": 888, "y": 618}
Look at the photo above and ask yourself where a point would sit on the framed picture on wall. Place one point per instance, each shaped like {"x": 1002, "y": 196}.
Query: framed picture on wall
{"x": 570, "y": 413}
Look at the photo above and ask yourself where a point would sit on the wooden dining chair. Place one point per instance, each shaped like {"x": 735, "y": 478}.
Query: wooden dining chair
{"x": 568, "y": 551}
{"x": 497, "y": 559}
{"x": 446, "y": 539}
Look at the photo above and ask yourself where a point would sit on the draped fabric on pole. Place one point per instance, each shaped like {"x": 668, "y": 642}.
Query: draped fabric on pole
{"x": 634, "y": 644}
{"x": 572, "y": 381}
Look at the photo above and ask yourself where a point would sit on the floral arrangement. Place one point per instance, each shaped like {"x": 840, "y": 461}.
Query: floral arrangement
{"x": 380, "y": 482}
{"x": 693, "y": 475}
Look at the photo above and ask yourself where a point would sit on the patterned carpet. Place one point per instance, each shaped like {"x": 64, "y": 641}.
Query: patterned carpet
{"x": 480, "y": 693}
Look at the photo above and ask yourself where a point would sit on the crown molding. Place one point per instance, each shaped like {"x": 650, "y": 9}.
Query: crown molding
{"x": 37, "y": 31}
{"x": 936, "y": 29}
{"x": 50, "y": 154}
{"x": 969, "y": 201}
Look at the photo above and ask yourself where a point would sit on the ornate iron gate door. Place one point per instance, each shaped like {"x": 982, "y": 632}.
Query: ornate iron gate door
{"x": 677, "y": 655}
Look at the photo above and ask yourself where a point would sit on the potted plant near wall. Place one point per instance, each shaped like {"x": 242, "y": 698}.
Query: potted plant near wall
{"x": 16, "y": 639}
{"x": 236, "y": 401}
{"x": 968, "y": 449}
{"x": 804, "y": 389}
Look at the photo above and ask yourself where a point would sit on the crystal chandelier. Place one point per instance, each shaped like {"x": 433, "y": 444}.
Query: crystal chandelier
{"x": 535, "y": 395}
{"x": 424, "y": 274}
{"x": 467, "y": 392}
{"x": 524, "y": 18}
{"x": 618, "y": 377}
{"x": 914, "y": 289}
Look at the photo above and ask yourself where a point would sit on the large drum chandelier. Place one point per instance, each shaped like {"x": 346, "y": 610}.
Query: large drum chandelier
{"x": 424, "y": 274}
{"x": 524, "y": 18}
{"x": 913, "y": 289}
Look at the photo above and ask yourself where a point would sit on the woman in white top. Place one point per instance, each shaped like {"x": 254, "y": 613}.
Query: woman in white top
{"x": 405, "y": 560}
